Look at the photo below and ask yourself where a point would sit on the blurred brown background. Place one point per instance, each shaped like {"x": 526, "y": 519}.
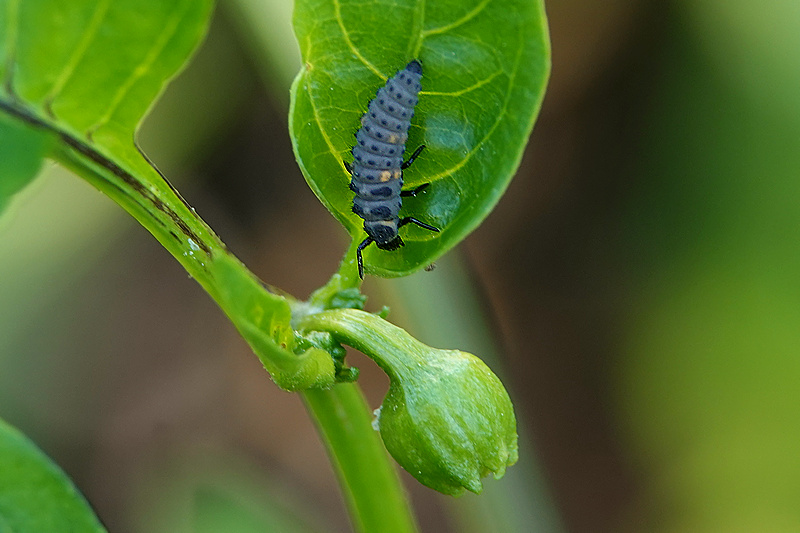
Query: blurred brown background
{"x": 640, "y": 278}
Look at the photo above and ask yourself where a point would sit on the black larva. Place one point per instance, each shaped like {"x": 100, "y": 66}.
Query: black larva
{"x": 377, "y": 169}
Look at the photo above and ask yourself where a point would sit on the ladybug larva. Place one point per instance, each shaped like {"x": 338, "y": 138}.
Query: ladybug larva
{"x": 377, "y": 169}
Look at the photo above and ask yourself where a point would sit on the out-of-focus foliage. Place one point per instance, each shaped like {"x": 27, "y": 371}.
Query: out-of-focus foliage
{"x": 35, "y": 495}
{"x": 205, "y": 492}
{"x": 713, "y": 348}
{"x": 92, "y": 69}
{"x": 21, "y": 153}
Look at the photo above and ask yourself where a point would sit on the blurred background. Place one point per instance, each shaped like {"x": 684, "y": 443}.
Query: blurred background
{"x": 638, "y": 289}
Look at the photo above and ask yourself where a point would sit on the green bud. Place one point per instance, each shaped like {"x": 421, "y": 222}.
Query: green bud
{"x": 447, "y": 419}
{"x": 449, "y": 422}
{"x": 325, "y": 341}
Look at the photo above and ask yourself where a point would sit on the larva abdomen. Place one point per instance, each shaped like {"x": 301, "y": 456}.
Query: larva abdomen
{"x": 377, "y": 169}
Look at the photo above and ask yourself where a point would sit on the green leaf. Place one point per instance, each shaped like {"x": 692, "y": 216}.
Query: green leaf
{"x": 83, "y": 73}
{"x": 35, "y": 494}
{"x": 21, "y": 153}
{"x": 263, "y": 317}
{"x": 94, "y": 67}
{"x": 485, "y": 66}
{"x": 89, "y": 70}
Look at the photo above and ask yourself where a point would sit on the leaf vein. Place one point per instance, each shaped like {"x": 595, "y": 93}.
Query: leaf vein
{"x": 69, "y": 69}
{"x": 512, "y": 75}
{"x": 463, "y": 20}
{"x": 353, "y": 48}
{"x": 465, "y": 90}
{"x": 142, "y": 68}
{"x": 415, "y": 45}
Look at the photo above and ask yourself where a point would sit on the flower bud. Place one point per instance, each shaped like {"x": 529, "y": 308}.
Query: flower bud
{"x": 449, "y": 422}
{"x": 447, "y": 419}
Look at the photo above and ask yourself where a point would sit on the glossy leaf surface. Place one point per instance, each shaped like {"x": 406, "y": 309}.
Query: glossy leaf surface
{"x": 485, "y": 66}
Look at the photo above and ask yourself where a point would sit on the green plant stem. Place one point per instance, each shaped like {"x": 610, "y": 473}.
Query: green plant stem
{"x": 372, "y": 488}
{"x": 370, "y": 483}
{"x": 206, "y": 244}
{"x": 260, "y": 313}
{"x": 344, "y": 278}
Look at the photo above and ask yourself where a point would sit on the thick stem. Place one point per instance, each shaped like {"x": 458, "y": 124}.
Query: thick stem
{"x": 391, "y": 347}
{"x": 260, "y": 313}
{"x": 370, "y": 483}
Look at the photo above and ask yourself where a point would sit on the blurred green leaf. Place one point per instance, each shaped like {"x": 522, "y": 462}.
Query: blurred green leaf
{"x": 93, "y": 68}
{"x": 710, "y": 351}
{"x": 87, "y": 72}
{"x": 485, "y": 69}
{"x": 21, "y": 153}
{"x": 755, "y": 46}
{"x": 35, "y": 495}
{"x": 201, "y": 491}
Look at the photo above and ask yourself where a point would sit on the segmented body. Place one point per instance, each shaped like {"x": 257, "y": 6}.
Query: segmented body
{"x": 377, "y": 169}
{"x": 378, "y": 156}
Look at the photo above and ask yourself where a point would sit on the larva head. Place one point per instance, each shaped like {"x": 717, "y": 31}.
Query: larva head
{"x": 392, "y": 245}
{"x": 384, "y": 234}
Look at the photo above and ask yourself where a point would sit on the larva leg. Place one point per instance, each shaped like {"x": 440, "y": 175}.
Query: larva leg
{"x": 366, "y": 242}
{"x": 413, "y": 192}
{"x": 412, "y": 158}
{"x": 348, "y": 167}
{"x": 412, "y": 220}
